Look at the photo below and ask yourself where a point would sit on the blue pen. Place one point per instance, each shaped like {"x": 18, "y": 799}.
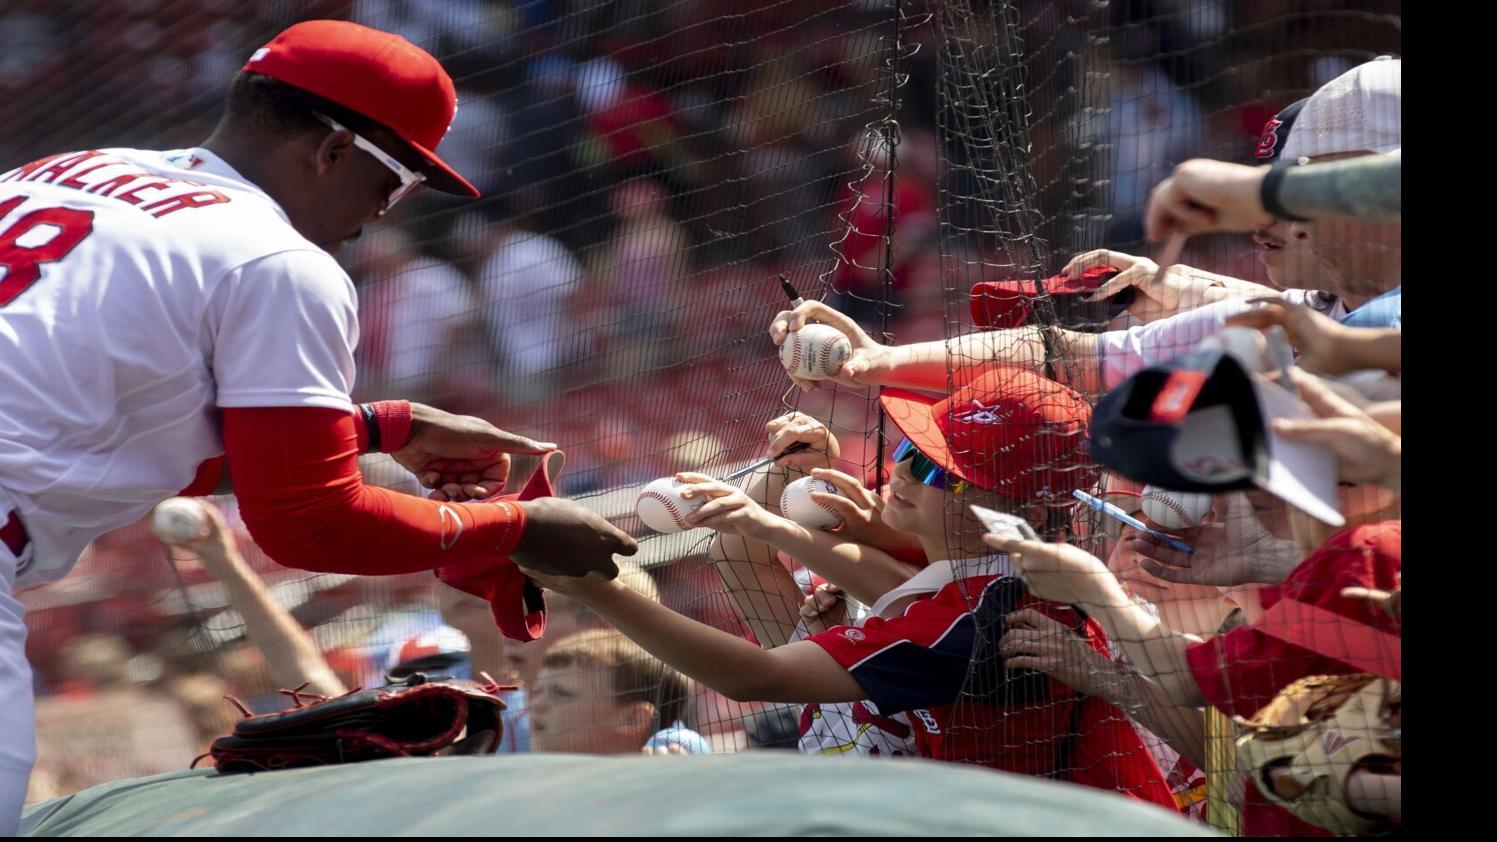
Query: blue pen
{"x": 1112, "y": 511}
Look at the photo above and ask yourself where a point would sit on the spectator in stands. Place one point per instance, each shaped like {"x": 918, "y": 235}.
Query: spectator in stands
{"x": 1243, "y": 669}
{"x": 1149, "y": 124}
{"x": 914, "y": 655}
{"x": 1357, "y": 261}
{"x": 599, "y": 693}
{"x": 1180, "y": 288}
{"x": 412, "y": 308}
{"x": 523, "y": 287}
{"x": 639, "y": 275}
{"x": 515, "y": 664}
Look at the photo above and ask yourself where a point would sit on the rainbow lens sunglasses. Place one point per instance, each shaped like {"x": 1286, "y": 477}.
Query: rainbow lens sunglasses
{"x": 928, "y": 472}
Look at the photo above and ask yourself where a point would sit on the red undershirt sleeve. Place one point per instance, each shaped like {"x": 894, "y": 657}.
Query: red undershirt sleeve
{"x": 296, "y": 477}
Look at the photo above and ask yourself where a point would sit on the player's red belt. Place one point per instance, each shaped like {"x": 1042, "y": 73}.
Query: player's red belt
{"x": 13, "y": 535}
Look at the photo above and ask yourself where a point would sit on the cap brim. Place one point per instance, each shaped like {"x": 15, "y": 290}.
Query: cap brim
{"x": 1301, "y": 474}
{"x": 443, "y": 178}
{"x": 914, "y": 415}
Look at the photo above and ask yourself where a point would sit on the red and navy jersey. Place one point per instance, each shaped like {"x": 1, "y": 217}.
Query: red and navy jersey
{"x": 939, "y": 662}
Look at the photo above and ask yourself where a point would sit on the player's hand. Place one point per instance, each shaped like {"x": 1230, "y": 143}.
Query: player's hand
{"x": 1035, "y": 642}
{"x": 727, "y": 509}
{"x": 1235, "y": 550}
{"x": 1318, "y": 338}
{"x": 1203, "y": 196}
{"x": 564, "y": 539}
{"x": 824, "y": 608}
{"x": 796, "y": 427}
{"x": 459, "y": 456}
{"x": 868, "y": 361}
{"x": 577, "y": 587}
{"x": 862, "y": 513}
{"x": 1367, "y": 451}
{"x": 1060, "y": 572}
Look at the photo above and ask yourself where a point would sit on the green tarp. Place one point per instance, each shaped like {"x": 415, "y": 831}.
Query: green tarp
{"x": 765, "y": 793}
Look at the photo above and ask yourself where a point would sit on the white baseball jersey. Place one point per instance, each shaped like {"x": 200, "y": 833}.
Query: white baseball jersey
{"x": 139, "y": 291}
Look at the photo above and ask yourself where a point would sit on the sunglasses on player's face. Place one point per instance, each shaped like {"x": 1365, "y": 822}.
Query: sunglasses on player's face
{"x": 926, "y": 471}
{"x": 408, "y": 180}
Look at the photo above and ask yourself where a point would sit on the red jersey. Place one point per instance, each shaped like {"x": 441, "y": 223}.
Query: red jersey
{"x": 940, "y": 663}
{"x": 1244, "y": 669}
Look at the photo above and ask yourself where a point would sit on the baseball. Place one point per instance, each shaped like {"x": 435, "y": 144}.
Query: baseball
{"x": 179, "y": 520}
{"x": 1175, "y": 509}
{"x": 815, "y": 352}
{"x": 797, "y": 505}
{"x": 661, "y": 508}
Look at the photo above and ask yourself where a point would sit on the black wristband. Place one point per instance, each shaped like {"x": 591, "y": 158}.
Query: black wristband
{"x": 1268, "y": 194}
{"x": 371, "y": 427}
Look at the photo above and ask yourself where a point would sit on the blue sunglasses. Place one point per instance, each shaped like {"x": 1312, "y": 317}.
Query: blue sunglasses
{"x": 928, "y": 472}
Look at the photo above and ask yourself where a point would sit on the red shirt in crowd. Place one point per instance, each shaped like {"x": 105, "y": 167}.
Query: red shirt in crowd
{"x": 1244, "y": 669}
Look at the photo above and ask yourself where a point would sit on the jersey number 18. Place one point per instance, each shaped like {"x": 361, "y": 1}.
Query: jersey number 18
{"x": 22, "y": 263}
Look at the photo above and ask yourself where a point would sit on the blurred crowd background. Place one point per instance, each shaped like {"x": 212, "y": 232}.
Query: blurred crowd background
{"x": 648, "y": 168}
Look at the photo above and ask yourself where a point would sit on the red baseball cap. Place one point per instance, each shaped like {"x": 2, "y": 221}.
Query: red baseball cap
{"x": 1009, "y": 431}
{"x": 997, "y": 305}
{"x": 377, "y": 74}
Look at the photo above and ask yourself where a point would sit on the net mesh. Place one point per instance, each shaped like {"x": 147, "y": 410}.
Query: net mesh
{"x": 649, "y": 171}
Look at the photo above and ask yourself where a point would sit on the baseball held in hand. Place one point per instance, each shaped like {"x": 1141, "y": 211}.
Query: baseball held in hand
{"x": 179, "y": 520}
{"x": 661, "y": 508}
{"x": 815, "y": 352}
{"x": 797, "y": 505}
{"x": 1175, "y": 509}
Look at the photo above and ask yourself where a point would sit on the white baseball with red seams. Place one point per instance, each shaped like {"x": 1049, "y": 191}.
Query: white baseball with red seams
{"x": 661, "y": 508}
{"x": 796, "y": 504}
{"x": 178, "y": 520}
{"x": 815, "y": 352}
{"x": 1175, "y": 509}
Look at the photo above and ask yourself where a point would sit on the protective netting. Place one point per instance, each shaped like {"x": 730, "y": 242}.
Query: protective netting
{"x": 649, "y": 171}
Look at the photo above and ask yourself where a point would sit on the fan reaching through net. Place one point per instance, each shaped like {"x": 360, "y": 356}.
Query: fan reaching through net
{"x": 954, "y": 190}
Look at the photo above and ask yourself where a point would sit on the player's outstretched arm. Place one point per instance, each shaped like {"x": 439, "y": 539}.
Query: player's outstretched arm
{"x": 304, "y": 501}
{"x": 798, "y": 672}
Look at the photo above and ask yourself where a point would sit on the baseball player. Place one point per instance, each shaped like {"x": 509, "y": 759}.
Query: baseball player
{"x": 174, "y": 321}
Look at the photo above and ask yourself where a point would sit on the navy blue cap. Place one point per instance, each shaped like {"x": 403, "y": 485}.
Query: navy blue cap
{"x": 1276, "y": 131}
{"x": 1136, "y": 427}
{"x": 1200, "y": 422}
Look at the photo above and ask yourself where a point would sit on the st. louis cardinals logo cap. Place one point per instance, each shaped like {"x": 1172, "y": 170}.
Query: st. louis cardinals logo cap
{"x": 1008, "y": 430}
{"x": 1276, "y": 132}
{"x": 1200, "y": 422}
{"x": 377, "y": 74}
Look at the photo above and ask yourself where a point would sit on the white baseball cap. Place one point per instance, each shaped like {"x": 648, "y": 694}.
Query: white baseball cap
{"x": 1359, "y": 111}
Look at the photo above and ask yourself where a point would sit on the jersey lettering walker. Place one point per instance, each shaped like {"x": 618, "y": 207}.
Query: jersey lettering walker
{"x": 140, "y": 291}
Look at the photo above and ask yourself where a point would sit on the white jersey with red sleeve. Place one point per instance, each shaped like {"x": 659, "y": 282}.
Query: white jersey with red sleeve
{"x": 140, "y": 291}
